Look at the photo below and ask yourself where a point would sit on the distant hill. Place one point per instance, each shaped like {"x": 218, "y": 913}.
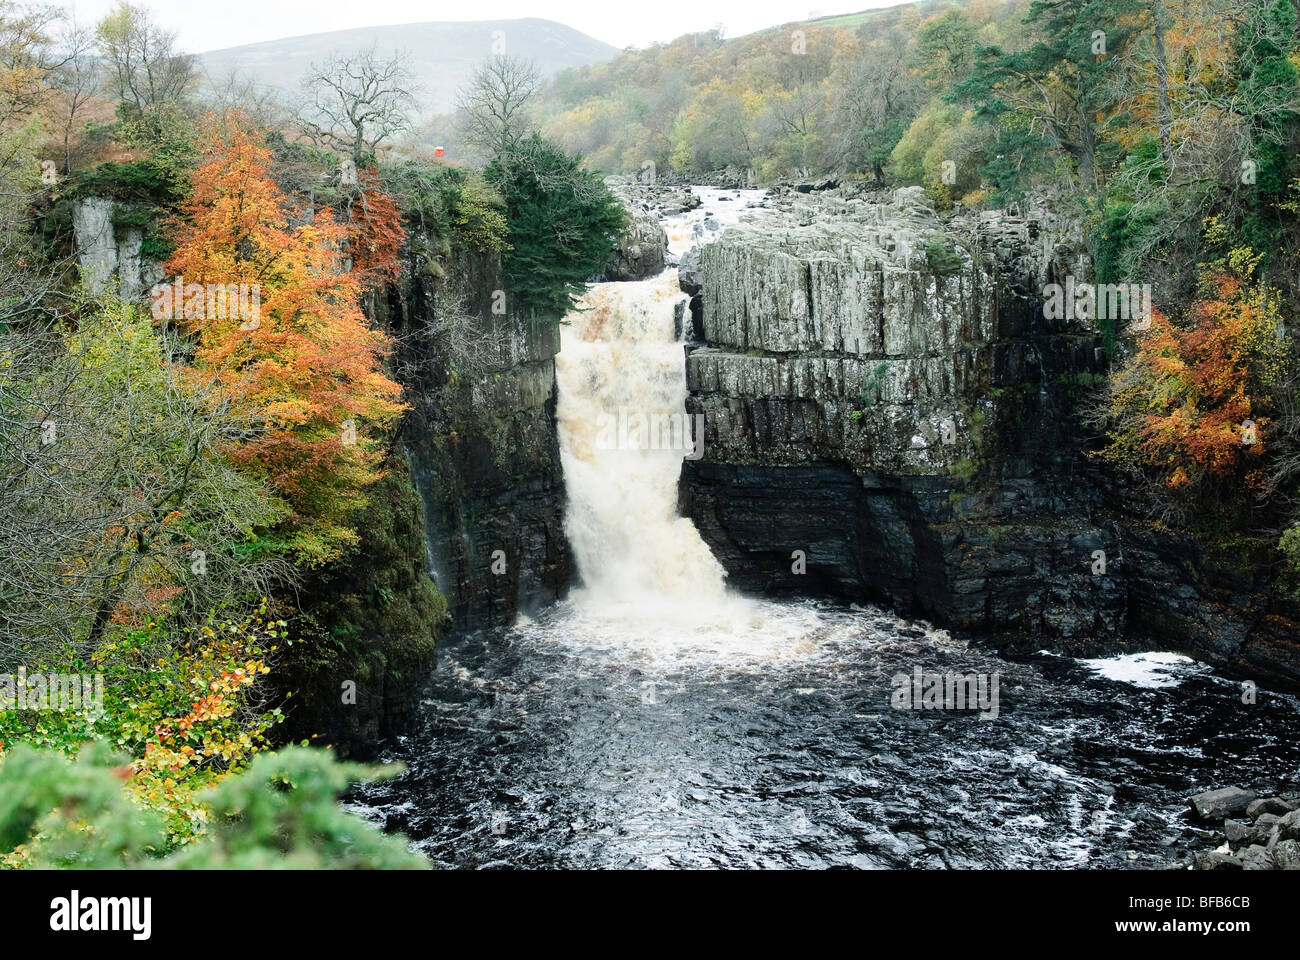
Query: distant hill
{"x": 442, "y": 55}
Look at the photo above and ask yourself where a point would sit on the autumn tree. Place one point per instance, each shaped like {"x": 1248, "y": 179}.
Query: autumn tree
{"x": 375, "y": 233}
{"x": 316, "y": 389}
{"x": 1192, "y": 407}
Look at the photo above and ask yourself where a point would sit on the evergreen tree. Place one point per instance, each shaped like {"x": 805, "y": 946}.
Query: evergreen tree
{"x": 562, "y": 219}
{"x": 1056, "y": 89}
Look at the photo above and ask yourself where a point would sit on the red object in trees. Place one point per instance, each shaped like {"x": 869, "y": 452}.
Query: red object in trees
{"x": 438, "y": 151}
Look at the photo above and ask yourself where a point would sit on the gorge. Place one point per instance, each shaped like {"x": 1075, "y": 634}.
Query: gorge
{"x": 671, "y": 710}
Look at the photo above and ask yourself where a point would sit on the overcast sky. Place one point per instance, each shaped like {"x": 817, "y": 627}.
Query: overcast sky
{"x": 204, "y": 25}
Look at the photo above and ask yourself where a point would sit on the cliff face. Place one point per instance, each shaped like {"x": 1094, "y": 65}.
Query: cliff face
{"x": 481, "y": 440}
{"x": 473, "y": 504}
{"x": 889, "y": 416}
{"x": 107, "y": 252}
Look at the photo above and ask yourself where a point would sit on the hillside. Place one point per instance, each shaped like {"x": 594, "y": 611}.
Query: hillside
{"x": 441, "y": 54}
{"x": 830, "y": 94}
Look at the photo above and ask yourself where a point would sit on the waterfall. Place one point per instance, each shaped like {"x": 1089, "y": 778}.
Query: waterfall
{"x": 623, "y": 432}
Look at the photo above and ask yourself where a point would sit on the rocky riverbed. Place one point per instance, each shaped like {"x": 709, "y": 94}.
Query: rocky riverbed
{"x": 1260, "y": 832}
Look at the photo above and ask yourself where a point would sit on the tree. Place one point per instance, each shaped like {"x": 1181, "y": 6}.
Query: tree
{"x": 946, "y": 44}
{"x": 116, "y": 502}
{"x": 281, "y": 812}
{"x": 1268, "y": 83}
{"x": 493, "y": 108}
{"x": 375, "y": 233}
{"x": 1057, "y": 87}
{"x": 357, "y": 101}
{"x": 878, "y": 98}
{"x": 77, "y": 78}
{"x": 25, "y": 60}
{"x": 145, "y": 69}
{"x": 1192, "y": 406}
{"x": 563, "y": 223}
{"x": 316, "y": 394}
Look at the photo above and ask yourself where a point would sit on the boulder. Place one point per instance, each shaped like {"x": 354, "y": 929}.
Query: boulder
{"x": 1274, "y": 805}
{"x": 1223, "y": 803}
{"x": 1288, "y": 826}
{"x": 641, "y": 250}
{"x": 1244, "y": 834}
{"x": 1286, "y": 855}
{"x": 1256, "y": 857}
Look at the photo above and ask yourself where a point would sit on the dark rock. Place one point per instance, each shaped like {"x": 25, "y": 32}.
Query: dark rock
{"x": 833, "y": 353}
{"x": 1275, "y": 805}
{"x": 1218, "y": 804}
{"x": 1286, "y": 855}
{"x": 1288, "y": 826}
{"x": 1245, "y": 834}
{"x": 1256, "y": 858}
{"x": 1237, "y": 833}
{"x": 484, "y": 451}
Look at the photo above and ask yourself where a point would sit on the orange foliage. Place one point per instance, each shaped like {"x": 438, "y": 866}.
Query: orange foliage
{"x": 1199, "y": 391}
{"x": 303, "y": 365}
{"x": 375, "y": 233}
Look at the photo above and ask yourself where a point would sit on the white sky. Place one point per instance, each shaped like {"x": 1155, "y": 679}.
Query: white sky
{"x": 203, "y": 25}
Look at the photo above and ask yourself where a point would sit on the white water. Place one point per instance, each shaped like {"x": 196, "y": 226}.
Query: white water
{"x": 652, "y": 591}
{"x": 619, "y": 356}
{"x": 718, "y": 210}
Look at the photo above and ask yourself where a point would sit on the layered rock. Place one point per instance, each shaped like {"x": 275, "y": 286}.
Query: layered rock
{"x": 483, "y": 449}
{"x": 890, "y": 416}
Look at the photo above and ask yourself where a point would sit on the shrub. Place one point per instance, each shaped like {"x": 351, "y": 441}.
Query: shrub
{"x": 281, "y": 813}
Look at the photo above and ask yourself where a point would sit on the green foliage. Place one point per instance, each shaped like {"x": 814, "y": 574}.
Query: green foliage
{"x": 374, "y": 614}
{"x": 447, "y": 208}
{"x": 944, "y": 258}
{"x": 1268, "y": 80}
{"x": 145, "y": 181}
{"x": 1056, "y": 80}
{"x": 563, "y": 222}
{"x": 280, "y": 813}
{"x": 869, "y": 393}
{"x": 946, "y": 44}
{"x": 134, "y": 484}
{"x": 56, "y": 814}
{"x": 181, "y": 702}
{"x": 1289, "y": 547}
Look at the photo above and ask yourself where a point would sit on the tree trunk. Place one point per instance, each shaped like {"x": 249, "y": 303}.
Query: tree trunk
{"x": 1162, "y": 80}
